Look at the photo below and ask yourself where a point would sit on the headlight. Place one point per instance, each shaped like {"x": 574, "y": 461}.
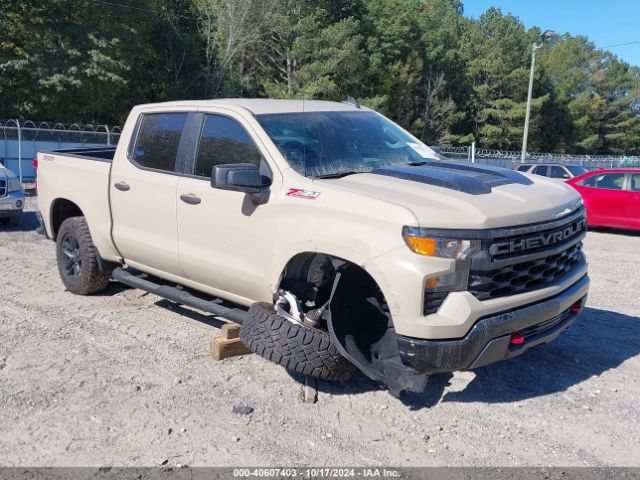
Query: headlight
{"x": 14, "y": 185}
{"x": 424, "y": 242}
{"x": 420, "y": 241}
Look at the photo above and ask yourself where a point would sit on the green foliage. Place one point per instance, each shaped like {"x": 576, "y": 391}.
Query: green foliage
{"x": 320, "y": 60}
{"x": 446, "y": 78}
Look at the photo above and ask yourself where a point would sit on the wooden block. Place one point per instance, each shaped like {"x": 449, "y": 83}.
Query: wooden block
{"x": 230, "y": 331}
{"x": 227, "y": 344}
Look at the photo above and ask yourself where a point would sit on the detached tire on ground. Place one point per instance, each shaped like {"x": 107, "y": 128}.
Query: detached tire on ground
{"x": 297, "y": 348}
{"x": 78, "y": 262}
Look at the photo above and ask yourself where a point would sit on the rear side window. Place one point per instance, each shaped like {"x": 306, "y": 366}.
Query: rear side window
{"x": 523, "y": 168}
{"x": 223, "y": 141}
{"x": 557, "y": 172}
{"x": 635, "y": 182}
{"x": 541, "y": 170}
{"x": 610, "y": 181}
{"x": 158, "y": 140}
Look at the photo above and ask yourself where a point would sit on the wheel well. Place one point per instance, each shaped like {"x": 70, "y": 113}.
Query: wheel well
{"x": 61, "y": 209}
{"x": 358, "y": 306}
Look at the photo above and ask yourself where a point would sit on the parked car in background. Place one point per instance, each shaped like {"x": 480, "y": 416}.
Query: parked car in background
{"x": 612, "y": 197}
{"x": 552, "y": 170}
{"x": 11, "y": 198}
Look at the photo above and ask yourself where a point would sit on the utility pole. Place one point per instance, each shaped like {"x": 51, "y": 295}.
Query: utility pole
{"x": 536, "y": 46}
{"x": 19, "y": 150}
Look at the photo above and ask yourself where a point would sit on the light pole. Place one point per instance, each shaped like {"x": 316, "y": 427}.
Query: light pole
{"x": 536, "y": 46}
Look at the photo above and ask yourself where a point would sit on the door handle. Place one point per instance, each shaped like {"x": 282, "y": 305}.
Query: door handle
{"x": 191, "y": 199}
{"x": 122, "y": 186}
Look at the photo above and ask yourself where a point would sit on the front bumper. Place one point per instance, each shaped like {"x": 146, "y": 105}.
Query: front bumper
{"x": 11, "y": 204}
{"x": 489, "y": 340}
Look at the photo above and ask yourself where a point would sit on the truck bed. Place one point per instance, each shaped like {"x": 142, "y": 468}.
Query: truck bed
{"x": 79, "y": 177}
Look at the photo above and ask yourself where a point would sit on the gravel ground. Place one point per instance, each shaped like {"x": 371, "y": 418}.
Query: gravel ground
{"x": 125, "y": 378}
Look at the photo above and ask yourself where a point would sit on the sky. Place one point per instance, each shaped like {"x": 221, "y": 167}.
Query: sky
{"x": 605, "y": 23}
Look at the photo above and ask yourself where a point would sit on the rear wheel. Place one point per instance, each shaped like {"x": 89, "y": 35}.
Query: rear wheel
{"x": 78, "y": 262}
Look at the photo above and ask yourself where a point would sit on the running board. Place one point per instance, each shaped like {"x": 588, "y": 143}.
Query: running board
{"x": 177, "y": 295}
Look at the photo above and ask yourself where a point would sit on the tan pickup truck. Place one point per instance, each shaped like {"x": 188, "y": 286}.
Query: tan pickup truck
{"x": 332, "y": 235}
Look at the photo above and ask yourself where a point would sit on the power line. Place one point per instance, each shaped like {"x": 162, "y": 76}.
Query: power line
{"x": 621, "y": 44}
{"x": 124, "y": 6}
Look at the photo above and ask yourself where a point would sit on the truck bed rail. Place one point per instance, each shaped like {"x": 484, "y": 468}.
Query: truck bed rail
{"x": 100, "y": 154}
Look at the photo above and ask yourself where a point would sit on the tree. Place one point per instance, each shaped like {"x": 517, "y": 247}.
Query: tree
{"x": 314, "y": 53}
{"x": 235, "y": 32}
{"x": 56, "y": 56}
{"x": 446, "y": 78}
{"x": 444, "y": 90}
{"x": 495, "y": 50}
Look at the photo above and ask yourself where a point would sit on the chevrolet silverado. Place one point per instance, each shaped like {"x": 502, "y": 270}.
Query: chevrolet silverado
{"x": 335, "y": 238}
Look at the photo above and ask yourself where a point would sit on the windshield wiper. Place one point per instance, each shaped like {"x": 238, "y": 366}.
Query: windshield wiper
{"x": 338, "y": 174}
{"x": 417, "y": 163}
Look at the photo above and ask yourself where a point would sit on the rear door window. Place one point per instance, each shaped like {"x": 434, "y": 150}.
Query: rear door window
{"x": 157, "y": 142}
{"x": 541, "y": 170}
{"x": 223, "y": 140}
{"x": 557, "y": 172}
{"x": 523, "y": 168}
{"x": 609, "y": 181}
{"x": 635, "y": 182}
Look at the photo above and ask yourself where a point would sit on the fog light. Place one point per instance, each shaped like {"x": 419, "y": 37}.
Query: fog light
{"x": 576, "y": 307}
{"x": 516, "y": 339}
{"x": 19, "y": 204}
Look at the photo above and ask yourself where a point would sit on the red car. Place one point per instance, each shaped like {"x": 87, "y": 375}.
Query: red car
{"x": 612, "y": 197}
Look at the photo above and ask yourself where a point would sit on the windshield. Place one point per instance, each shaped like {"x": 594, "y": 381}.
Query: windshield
{"x": 326, "y": 144}
{"x": 576, "y": 170}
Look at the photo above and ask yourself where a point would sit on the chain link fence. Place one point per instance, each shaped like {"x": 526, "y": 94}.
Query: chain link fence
{"x": 510, "y": 159}
{"x": 20, "y": 142}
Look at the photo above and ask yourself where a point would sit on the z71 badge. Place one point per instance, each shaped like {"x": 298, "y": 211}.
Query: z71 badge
{"x": 299, "y": 193}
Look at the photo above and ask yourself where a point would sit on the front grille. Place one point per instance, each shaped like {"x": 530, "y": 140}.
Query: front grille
{"x": 3, "y": 188}
{"x": 524, "y": 276}
{"x": 520, "y": 259}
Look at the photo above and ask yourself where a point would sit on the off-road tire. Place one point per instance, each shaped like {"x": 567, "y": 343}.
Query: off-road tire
{"x": 89, "y": 278}
{"x": 297, "y": 348}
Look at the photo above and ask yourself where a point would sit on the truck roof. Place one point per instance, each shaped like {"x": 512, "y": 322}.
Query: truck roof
{"x": 260, "y": 106}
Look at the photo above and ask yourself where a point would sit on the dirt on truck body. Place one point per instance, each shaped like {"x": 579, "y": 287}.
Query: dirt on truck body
{"x": 351, "y": 244}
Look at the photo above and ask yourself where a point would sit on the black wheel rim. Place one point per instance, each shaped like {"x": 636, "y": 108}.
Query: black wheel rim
{"x": 71, "y": 262}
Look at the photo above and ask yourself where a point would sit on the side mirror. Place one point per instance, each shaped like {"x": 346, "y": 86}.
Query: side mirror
{"x": 238, "y": 177}
{"x": 566, "y": 176}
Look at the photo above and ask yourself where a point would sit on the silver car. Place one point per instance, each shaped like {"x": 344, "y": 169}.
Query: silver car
{"x": 553, "y": 170}
{"x": 11, "y": 198}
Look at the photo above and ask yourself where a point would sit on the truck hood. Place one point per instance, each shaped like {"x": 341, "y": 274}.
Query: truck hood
{"x": 468, "y": 197}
